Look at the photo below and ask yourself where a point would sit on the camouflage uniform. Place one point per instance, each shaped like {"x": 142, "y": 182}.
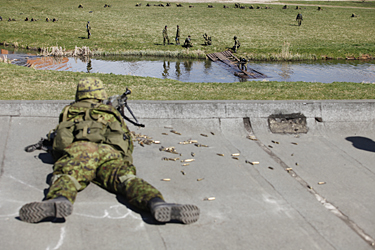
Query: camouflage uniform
{"x": 178, "y": 35}
{"x": 108, "y": 166}
{"x": 299, "y": 19}
{"x": 88, "y": 28}
{"x": 93, "y": 144}
{"x": 207, "y": 39}
{"x": 165, "y": 35}
{"x": 188, "y": 42}
{"x": 237, "y": 44}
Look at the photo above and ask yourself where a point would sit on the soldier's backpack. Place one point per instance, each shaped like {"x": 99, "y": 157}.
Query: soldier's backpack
{"x": 85, "y": 121}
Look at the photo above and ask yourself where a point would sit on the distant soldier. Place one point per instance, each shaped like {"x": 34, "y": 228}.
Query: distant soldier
{"x": 354, "y": 15}
{"x": 285, "y": 7}
{"x": 237, "y": 44}
{"x": 54, "y": 20}
{"x": 47, "y": 19}
{"x": 299, "y": 19}
{"x": 165, "y": 35}
{"x": 207, "y": 39}
{"x": 188, "y": 42}
{"x": 1, "y": 19}
{"x": 178, "y": 35}
{"x": 26, "y": 19}
{"x": 80, "y": 6}
{"x": 88, "y": 28}
{"x": 242, "y": 64}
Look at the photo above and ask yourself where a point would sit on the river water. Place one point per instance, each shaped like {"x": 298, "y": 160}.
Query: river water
{"x": 204, "y": 70}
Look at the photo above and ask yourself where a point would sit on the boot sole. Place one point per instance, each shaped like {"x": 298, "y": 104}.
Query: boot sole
{"x": 37, "y": 211}
{"x": 184, "y": 213}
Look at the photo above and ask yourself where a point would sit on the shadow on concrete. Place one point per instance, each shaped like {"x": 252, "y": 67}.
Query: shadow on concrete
{"x": 362, "y": 143}
{"x": 146, "y": 216}
{"x": 46, "y": 158}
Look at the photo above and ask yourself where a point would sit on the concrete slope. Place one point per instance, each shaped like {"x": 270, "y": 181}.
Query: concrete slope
{"x": 310, "y": 190}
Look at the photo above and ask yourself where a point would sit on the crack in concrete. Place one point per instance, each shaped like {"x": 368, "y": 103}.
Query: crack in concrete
{"x": 5, "y": 146}
{"x": 358, "y": 230}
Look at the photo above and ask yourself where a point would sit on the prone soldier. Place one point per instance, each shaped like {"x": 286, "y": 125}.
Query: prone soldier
{"x": 92, "y": 143}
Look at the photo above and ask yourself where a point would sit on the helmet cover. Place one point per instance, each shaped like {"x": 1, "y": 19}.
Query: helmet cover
{"x": 91, "y": 88}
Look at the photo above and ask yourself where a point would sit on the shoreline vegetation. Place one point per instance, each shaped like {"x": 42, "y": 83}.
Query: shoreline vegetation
{"x": 284, "y": 55}
{"x": 267, "y": 32}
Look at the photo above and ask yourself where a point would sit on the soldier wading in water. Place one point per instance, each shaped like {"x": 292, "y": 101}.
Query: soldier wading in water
{"x": 93, "y": 144}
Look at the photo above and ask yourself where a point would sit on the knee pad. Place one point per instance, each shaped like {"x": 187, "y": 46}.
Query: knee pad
{"x": 74, "y": 180}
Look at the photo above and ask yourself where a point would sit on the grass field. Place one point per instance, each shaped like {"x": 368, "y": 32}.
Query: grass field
{"x": 22, "y": 83}
{"x": 125, "y": 28}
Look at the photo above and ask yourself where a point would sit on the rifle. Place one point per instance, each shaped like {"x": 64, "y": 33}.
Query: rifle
{"x": 120, "y": 103}
{"x": 43, "y": 144}
{"x": 117, "y": 101}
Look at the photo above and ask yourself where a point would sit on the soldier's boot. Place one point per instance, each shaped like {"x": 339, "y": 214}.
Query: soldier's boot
{"x": 59, "y": 207}
{"x": 166, "y": 212}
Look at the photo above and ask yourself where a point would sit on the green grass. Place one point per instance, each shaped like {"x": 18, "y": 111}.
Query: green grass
{"x": 22, "y": 83}
{"x": 127, "y": 29}
{"x": 358, "y": 4}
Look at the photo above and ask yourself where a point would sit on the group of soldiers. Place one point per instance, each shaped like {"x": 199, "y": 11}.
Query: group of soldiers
{"x": 188, "y": 43}
{"x": 33, "y": 19}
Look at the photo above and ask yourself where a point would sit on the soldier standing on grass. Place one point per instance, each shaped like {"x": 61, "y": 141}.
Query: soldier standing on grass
{"x": 165, "y": 35}
{"x": 88, "y": 28}
{"x": 299, "y": 19}
{"x": 93, "y": 144}
{"x": 178, "y": 35}
{"x": 237, "y": 44}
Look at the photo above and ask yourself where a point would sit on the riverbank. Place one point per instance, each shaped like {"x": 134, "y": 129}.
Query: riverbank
{"x": 266, "y": 32}
{"x": 23, "y": 83}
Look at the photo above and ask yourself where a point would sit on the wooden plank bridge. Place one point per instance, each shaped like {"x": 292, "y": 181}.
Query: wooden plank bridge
{"x": 232, "y": 61}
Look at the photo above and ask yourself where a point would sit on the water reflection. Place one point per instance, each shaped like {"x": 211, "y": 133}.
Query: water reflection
{"x": 205, "y": 70}
{"x": 178, "y": 70}
{"x": 50, "y": 63}
{"x": 166, "y": 66}
{"x": 89, "y": 67}
{"x": 286, "y": 70}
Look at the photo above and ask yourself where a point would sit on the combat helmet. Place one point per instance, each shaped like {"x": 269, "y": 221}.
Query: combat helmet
{"x": 91, "y": 88}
